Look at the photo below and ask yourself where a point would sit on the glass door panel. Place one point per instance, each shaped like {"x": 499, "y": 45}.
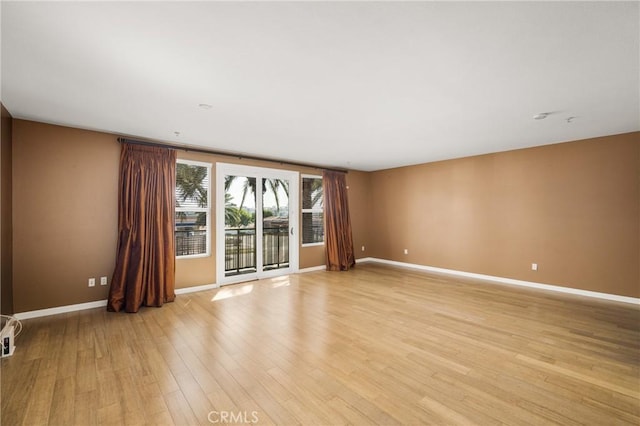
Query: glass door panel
{"x": 239, "y": 225}
{"x": 275, "y": 223}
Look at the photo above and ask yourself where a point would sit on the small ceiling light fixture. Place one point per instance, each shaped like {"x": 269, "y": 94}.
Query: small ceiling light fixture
{"x": 541, "y": 116}
{"x": 177, "y": 134}
{"x": 205, "y": 106}
{"x": 570, "y": 119}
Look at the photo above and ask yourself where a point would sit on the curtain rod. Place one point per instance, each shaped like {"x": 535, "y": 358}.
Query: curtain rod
{"x": 226, "y": 154}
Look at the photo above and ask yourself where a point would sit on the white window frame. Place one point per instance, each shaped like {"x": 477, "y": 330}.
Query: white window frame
{"x": 316, "y": 210}
{"x": 206, "y": 209}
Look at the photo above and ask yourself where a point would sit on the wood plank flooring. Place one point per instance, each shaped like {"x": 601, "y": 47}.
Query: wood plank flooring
{"x": 377, "y": 345}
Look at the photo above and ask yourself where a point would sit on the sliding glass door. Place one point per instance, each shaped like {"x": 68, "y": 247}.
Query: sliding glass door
{"x": 256, "y": 231}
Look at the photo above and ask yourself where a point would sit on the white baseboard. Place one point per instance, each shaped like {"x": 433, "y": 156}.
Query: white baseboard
{"x": 97, "y": 304}
{"x": 510, "y": 281}
{"x": 193, "y": 289}
{"x": 489, "y": 278}
{"x": 311, "y": 269}
{"x": 60, "y": 310}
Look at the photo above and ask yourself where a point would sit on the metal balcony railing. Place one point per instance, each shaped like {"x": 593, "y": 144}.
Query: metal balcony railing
{"x": 240, "y": 249}
{"x": 190, "y": 242}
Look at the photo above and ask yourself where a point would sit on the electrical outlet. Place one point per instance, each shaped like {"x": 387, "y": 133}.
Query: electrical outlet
{"x": 406, "y": 251}
{"x": 103, "y": 280}
{"x": 534, "y": 266}
{"x": 92, "y": 282}
{"x": 362, "y": 248}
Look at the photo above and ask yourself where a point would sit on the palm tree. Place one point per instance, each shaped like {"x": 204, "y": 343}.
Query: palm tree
{"x": 191, "y": 189}
{"x": 249, "y": 187}
{"x": 231, "y": 212}
{"x": 311, "y": 193}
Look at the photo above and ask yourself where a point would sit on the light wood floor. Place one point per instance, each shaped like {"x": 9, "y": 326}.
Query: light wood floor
{"x": 375, "y": 345}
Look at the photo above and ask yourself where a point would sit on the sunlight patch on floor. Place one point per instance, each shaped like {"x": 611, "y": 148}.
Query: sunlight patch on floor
{"x": 280, "y": 282}
{"x": 226, "y": 293}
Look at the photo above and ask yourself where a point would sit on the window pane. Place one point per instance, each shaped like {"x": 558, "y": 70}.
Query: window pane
{"x": 312, "y": 193}
{"x": 312, "y": 227}
{"x": 239, "y": 202}
{"x": 192, "y": 183}
{"x": 191, "y": 233}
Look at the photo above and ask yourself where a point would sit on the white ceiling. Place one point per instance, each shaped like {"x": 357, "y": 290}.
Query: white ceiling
{"x": 359, "y": 85}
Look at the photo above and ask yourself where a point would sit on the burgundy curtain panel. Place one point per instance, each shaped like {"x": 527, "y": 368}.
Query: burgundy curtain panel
{"x": 338, "y": 235}
{"x": 144, "y": 274}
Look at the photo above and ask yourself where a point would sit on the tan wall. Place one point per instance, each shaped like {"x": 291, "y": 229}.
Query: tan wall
{"x": 6, "y": 223}
{"x": 359, "y": 184}
{"x": 65, "y": 184}
{"x": 65, "y": 209}
{"x": 573, "y": 208}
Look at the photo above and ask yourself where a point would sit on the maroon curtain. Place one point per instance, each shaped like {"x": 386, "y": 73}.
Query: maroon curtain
{"x": 338, "y": 236}
{"x": 145, "y": 260}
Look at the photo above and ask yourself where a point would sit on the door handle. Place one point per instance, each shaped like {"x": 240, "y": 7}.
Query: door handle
{"x": 292, "y": 230}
